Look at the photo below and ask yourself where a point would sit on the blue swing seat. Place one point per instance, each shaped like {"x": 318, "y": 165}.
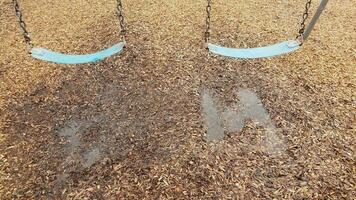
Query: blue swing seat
{"x": 47, "y": 55}
{"x": 259, "y": 52}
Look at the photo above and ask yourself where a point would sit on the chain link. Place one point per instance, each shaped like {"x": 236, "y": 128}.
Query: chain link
{"x": 207, "y": 22}
{"x": 22, "y": 24}
{"x": 121, "y": 19}
{"x": 26, "y": 34}
{"x": 301, "y": 31}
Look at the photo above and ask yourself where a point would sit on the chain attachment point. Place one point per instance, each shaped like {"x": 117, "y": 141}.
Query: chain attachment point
{"x": 207, "y": 23}
{"x": 22, "y": 24}
{"x": 300, "y": 36}
{"x": 120, "y": 14}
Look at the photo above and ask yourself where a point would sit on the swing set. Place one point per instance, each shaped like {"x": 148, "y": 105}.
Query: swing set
{"x": 246, "y": 53}
{"x": 60, "y": 58}
{"x": 271, "y": 50}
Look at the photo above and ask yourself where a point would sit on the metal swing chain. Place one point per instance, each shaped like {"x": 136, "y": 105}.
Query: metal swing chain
{"x": 22, "y": 24}
{"x": 207, "y": 22}
{"x": 121, "y": 19}
{"x": 301, "y": 31}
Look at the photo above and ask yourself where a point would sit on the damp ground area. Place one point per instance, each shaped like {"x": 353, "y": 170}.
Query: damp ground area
{"x": 167, "y": 119}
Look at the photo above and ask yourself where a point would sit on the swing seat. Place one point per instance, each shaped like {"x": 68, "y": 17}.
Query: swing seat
{"x": 259, "y": 52}
{"x": 47, "y": 55}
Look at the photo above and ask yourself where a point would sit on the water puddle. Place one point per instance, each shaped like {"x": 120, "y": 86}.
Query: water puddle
{"x": 249, "y": 107}
{"x": 210, "y": 112}
{"x": 91, "y": 157}
{"x": 72, "y": 132}
{"x": 233, "y": 119}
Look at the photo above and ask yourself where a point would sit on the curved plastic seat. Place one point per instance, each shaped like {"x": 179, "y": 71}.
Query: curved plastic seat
{"x": 259, "y": 52}
{"x": 47, "y": 55}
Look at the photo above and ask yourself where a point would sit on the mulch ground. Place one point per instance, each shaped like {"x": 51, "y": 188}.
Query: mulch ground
{"x": 142, "y": 108}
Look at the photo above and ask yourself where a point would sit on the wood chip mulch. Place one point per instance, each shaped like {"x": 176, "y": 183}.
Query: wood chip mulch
{"x": 141, "y": 110}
